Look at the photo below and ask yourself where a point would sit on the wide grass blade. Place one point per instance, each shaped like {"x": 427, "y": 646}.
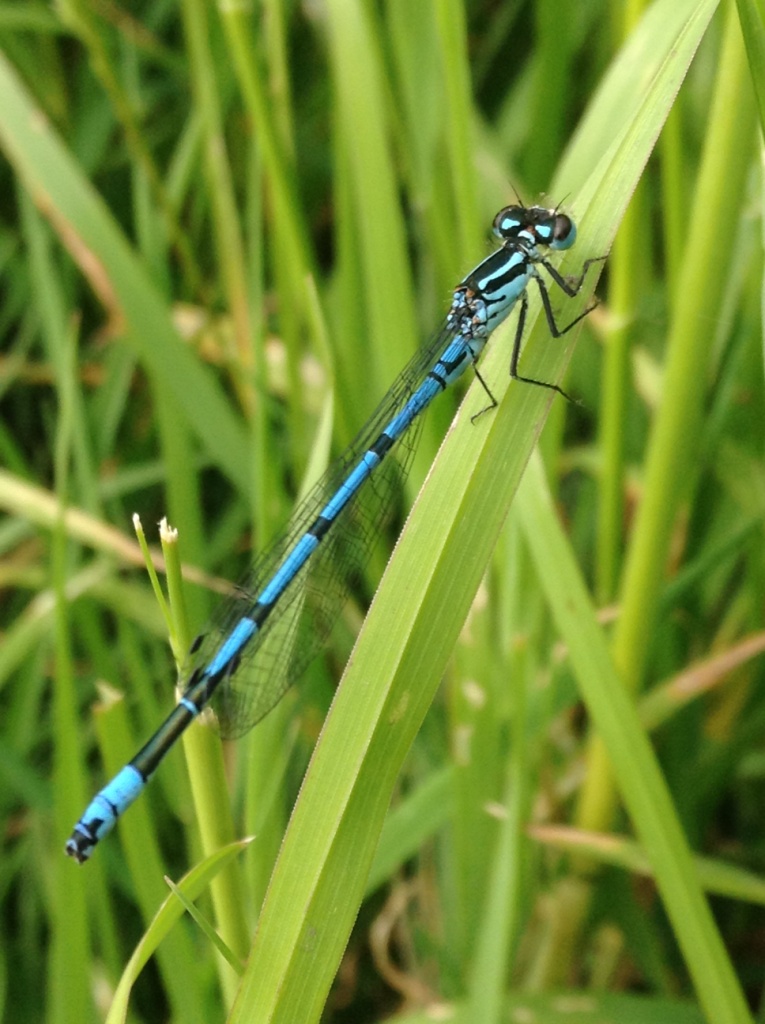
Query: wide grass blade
{"x": 408, "y": 635}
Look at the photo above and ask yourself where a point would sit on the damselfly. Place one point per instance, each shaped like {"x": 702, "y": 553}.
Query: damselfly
{"x": 241, "y": 664}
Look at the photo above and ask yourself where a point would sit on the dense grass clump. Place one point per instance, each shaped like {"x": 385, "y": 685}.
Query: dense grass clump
{"x": 224, "y": 231}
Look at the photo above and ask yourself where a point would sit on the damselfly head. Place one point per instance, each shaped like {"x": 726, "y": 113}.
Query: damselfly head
{"x": 546, "y": 227}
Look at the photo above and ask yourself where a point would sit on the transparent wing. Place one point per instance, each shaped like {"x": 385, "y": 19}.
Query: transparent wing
{"x": 298, "y": 627}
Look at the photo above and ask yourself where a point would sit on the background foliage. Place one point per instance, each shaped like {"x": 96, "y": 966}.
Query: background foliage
{"x": 224, "y": 231}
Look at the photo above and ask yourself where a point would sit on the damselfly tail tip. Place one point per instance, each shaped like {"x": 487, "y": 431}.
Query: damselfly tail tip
{"x": 79, "y": 846}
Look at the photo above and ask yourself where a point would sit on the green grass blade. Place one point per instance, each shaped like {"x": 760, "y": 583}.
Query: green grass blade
{"x": 410, "y": 630}
{"x": 61, "y": 191}
{"x": 639, "y": 778}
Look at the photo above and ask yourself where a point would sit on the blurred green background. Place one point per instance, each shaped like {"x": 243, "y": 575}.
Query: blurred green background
{"x": 225, "y": 229}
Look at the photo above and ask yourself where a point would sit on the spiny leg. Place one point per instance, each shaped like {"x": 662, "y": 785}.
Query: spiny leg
{"x": 555, "y": 330}
{"x": 516, "y": 353}
{"x": 571, "y": 285}
{"x": 492, "y": 400}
